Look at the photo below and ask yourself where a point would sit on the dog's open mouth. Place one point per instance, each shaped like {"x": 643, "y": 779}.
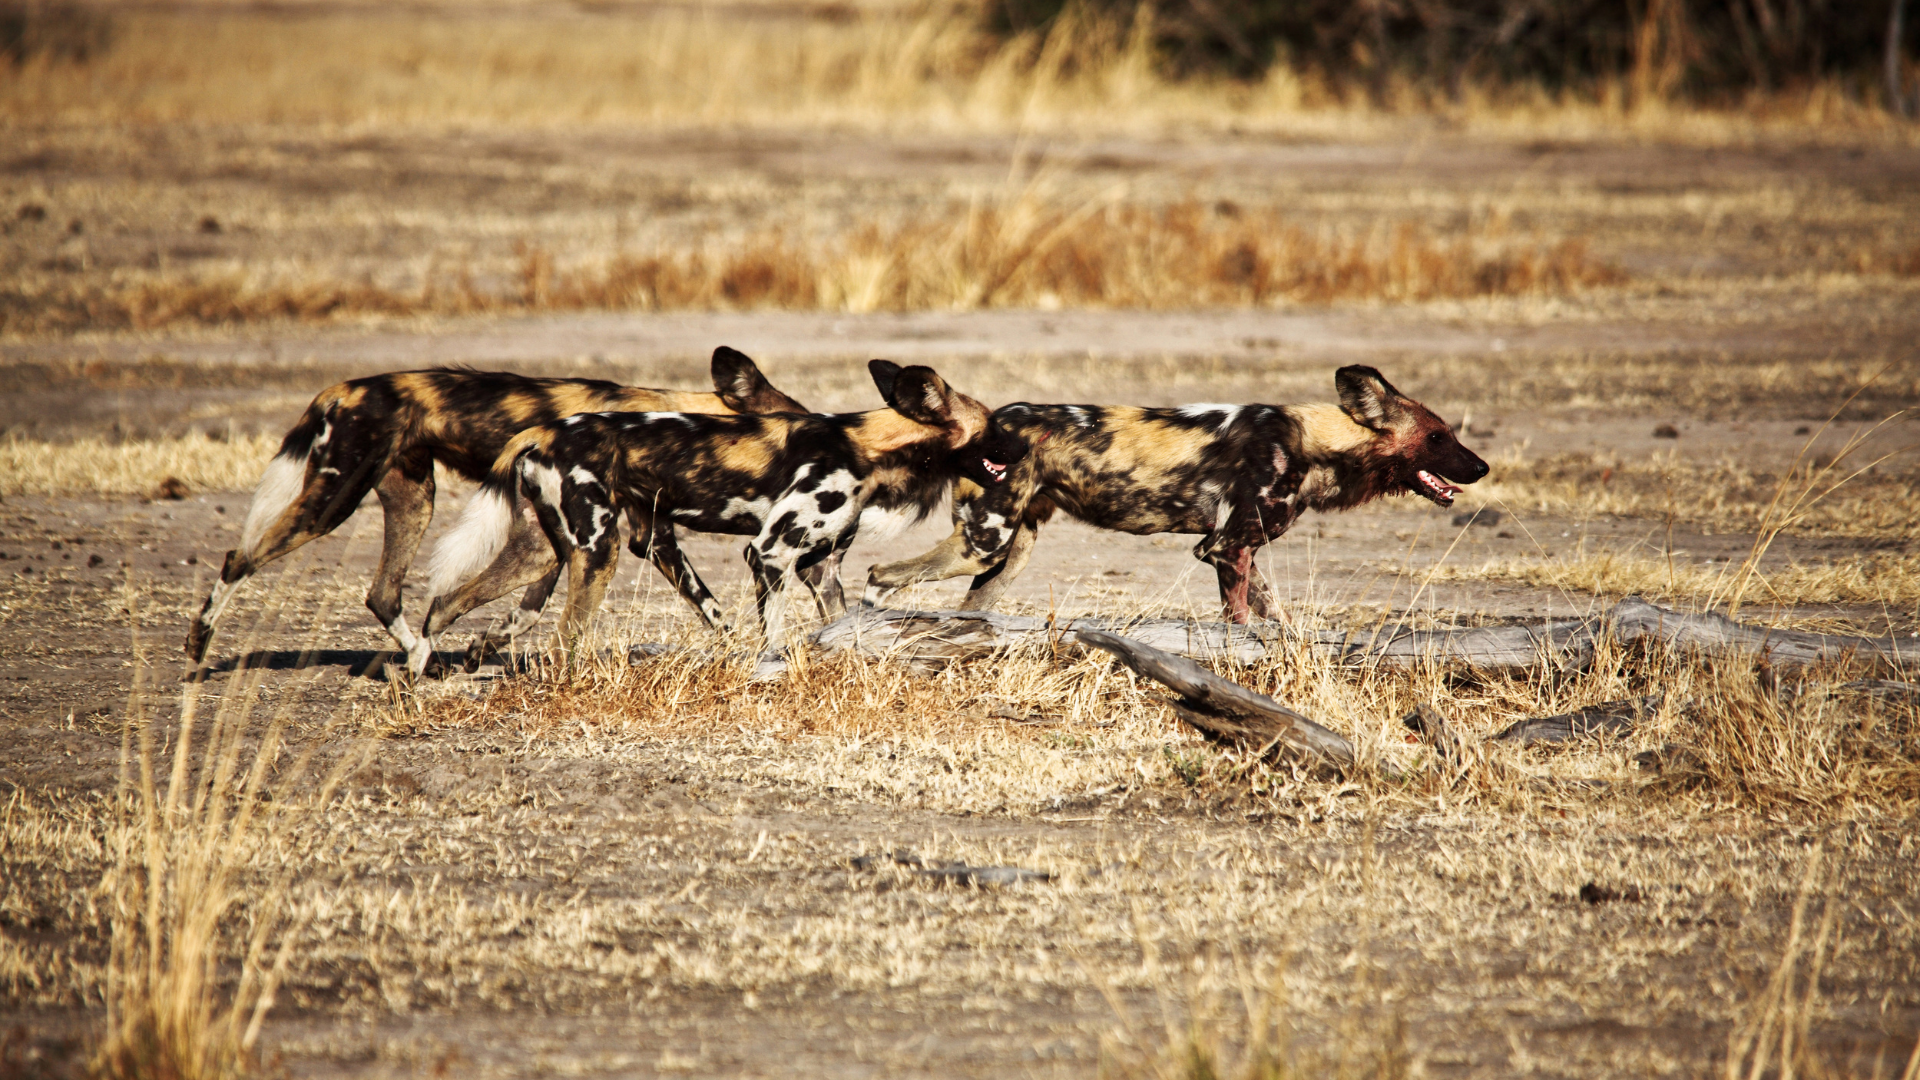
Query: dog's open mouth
{"x": 1435, "y": 488}
{"x": 997, "y": 471}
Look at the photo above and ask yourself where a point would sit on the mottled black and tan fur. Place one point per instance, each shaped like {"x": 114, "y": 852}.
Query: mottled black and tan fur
{"x": 384, "y": 433}
{"x": 799, "y": 485}
{"x": 1237, "y": 475}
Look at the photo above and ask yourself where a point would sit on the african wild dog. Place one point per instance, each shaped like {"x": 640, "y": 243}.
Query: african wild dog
{"x": 384, "y": 433}
{"x": 801, "y": 486}
{"x": 1239, "y": 475}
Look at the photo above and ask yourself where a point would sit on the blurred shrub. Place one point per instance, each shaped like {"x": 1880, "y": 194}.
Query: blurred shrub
{"x": 1659, "y": 48}
{"x": 56, "y": 31}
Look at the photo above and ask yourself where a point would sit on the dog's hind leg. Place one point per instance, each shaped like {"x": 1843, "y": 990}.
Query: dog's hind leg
{"x": 502, "y": 632}
{"x": 527, "y": 559}
{"x": 406, "y": 497}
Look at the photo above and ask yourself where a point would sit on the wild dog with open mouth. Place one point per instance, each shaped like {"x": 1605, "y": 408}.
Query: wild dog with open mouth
{"x": 384, "y": 433}
{"x": 801, "y": 486}
{"x": 1239, "y": 475}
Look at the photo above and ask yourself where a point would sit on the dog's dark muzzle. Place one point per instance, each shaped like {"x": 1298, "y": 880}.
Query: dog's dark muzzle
{"x": 988, "y": 459}
{"x": 1442, "y": 483}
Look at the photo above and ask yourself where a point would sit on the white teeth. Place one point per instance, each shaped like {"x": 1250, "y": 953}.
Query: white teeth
{"x": 1440, "y": 488}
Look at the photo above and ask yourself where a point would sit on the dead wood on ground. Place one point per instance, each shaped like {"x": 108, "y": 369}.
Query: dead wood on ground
{"x": 938, "y": 637}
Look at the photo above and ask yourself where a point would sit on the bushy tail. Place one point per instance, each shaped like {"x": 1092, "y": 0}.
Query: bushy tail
{"x": 286, "y": 475}
{"x": 481, "y": 533}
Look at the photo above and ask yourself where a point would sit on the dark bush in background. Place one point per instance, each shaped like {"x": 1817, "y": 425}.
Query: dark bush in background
{"x": 57, "y": 31}
{"x": 1700, "y": 49}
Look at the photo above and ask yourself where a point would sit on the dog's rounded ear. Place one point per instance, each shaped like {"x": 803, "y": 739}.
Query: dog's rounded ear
{"x": 1367, "y": 397}
{"x": 741, "y": 386}
{"x": 884, "y": 372}
{"x": 917, "y": 393}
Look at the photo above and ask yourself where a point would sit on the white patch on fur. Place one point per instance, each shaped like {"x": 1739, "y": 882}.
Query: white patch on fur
{"x": 402, "y": 633}
{"x": 279, "y": 486}
{"x": 474, "y": 542}
{"x": 1228, "y": 413}
{"x": 217, "y": 603}
{"x": 1080, "y": 416}
{"x": 1319, "y": 486}
{"x": 878, "y": 523}
{"x": 545, "y": 479}
{"x": 738, "y": 509}
{"x": 601, "y": 513}
{"x": 582, "y": 477}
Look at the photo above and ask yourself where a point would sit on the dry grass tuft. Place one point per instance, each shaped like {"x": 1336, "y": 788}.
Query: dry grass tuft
{"x": 1024, "y": 251}
{"x": 1098, "y": 253}
{"x": 30, "y": 467}
{"x": 199, "y": 937}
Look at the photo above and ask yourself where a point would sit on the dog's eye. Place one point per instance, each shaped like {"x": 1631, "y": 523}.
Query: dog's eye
{"x": 1435, "y": 437}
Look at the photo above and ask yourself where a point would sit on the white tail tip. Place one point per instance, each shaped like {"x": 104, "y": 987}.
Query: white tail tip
{"x": 279, "y": 486}
{"x": 474, "y": 542}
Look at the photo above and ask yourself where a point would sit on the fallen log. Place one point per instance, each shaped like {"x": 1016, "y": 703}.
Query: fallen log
{"x": 938, "y": 637}
{"x": 1223, "y": 710}
{"x": 1613, "y": 718}
{"x": 968, "y": 635}
{"x": 1633, "y": 619}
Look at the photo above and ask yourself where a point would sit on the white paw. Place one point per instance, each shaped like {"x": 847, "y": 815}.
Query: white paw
{"x": 418, "y": 655}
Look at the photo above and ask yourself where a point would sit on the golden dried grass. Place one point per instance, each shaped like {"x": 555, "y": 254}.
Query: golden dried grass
{"x": 1029, "y": 249}
{"x": 884, "y": 67}
{"x": 1882, "y": 578}
{"x": 103, "y": 467}
{"x": 1791, "y": 753}
{"x": 1726, "y": 495}
{"x": 196, "y": 910}
{"x": 494, "y": 879}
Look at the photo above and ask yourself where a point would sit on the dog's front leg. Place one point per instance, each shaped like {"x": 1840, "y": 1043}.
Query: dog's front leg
{"x": 823, "y": 578}
{"x": 1234, "y": 567}
{"x": 801, "y": 527}
{"x": 589, "y": 572}
{"x": 654, "y": 541}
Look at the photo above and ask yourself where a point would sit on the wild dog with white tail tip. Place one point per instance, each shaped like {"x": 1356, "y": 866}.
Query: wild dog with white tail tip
{"x": 799, "y": 485}
{"x": 1238, "y": 475}
{"x": 384, "y": 434}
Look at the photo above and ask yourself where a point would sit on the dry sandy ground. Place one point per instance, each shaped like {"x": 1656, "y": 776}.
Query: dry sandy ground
{"x": 66, "y": 634}
{"x": 727, "y": 844}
